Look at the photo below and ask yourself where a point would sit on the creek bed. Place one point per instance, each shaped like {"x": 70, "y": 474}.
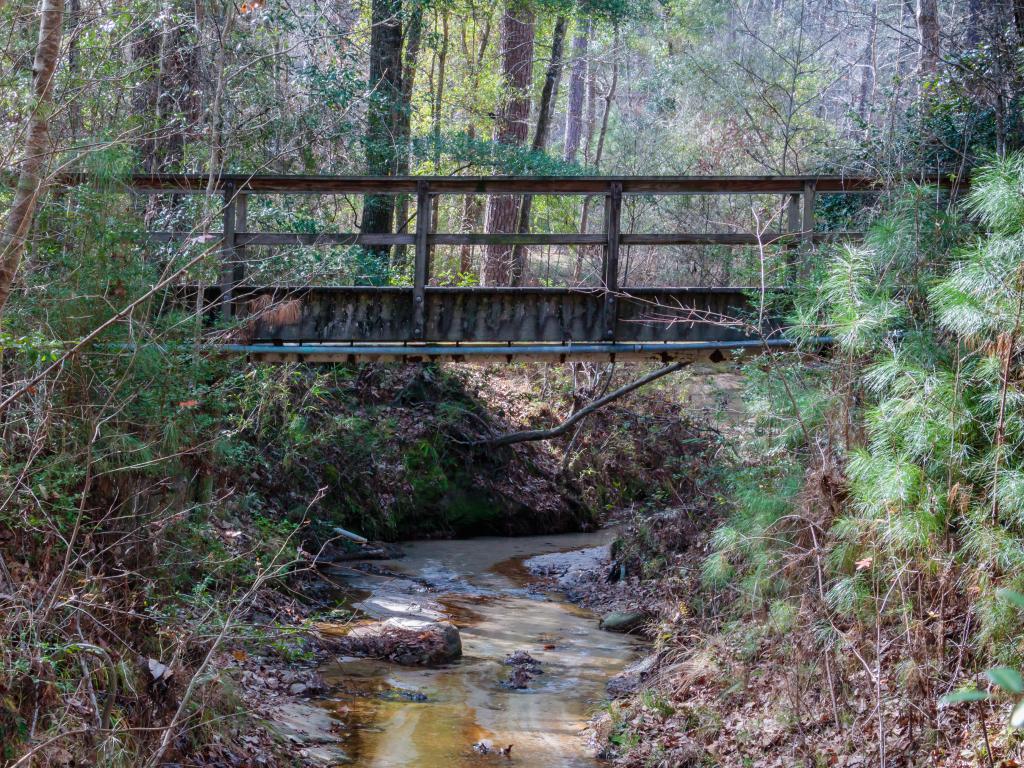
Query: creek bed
{"x": 390, "y": 716}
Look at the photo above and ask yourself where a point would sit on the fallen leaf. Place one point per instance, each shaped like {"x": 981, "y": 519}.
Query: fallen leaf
{"x": 159, "y": 670}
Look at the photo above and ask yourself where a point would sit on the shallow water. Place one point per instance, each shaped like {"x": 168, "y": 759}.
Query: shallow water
{"x": 391, "y": 716}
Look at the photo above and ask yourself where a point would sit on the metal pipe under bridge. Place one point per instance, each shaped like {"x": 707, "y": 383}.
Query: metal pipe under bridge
{"x": 423, "y": 321}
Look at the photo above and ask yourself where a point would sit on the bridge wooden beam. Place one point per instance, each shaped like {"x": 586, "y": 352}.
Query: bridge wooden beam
{"x": 421, "y": 260}
{"x": 482, "y": 353}
{"x": 243, "y": 238}
{"x": 810, "y": 197}
{"x": 241, "y": 263}
{"x": 228, "y": 255}
{"x": 539, "y": 185}
{"x": 612, "y": 229}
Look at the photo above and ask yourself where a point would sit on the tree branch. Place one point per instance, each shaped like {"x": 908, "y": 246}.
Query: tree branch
{"x": 565, "y": 426}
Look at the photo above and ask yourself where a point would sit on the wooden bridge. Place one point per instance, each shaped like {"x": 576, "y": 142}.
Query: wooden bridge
{"x": 424, "y": 321}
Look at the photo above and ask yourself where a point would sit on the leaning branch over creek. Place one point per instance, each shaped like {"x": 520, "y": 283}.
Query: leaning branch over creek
{"x": 565, "y": 426}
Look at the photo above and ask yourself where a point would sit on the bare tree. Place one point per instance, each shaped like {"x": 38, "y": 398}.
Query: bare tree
{"x": 868, "y": 65}
{"x": 511, "y": 126}
{"x": 413, "y": 37}
{"x": 549, "y": 93}
{"x": 577, "y": 88}
{"x": 37, "y": 140}
{"x": 928, "y": 27}
{"x": 383, "y": 119}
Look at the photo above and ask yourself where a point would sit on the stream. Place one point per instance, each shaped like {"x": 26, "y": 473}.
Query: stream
{"x": 389, "y": 715}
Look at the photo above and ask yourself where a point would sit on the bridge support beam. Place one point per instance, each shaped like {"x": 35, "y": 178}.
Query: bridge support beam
{"x": 810, "y": 195}
{"x": 228, "y": 256}
{"x": 421, "y": 261}
{"x": 709, "y": 352}
{"x": 239, "y": 255}
{"x": 612, "y": 226}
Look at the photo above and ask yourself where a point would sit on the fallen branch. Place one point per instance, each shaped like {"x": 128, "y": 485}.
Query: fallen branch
{"x": 565, "y": 426}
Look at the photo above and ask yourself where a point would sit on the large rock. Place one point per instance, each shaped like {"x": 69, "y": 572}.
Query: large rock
{"x": 411, "y": 642}
{"x": 623, "y": 621}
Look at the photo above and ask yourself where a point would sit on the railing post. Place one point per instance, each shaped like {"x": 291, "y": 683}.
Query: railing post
{"x": 807, "y": 224}
{"x": 612, "y": 227}
{"x": 238, "y": 275}
{"x": 227, "y": 253}
{"x": 793, "y": 231}
{"x": 421, "y": 260}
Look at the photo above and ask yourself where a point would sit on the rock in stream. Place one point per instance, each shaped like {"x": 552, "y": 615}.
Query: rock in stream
{"x": 411, "y": 642}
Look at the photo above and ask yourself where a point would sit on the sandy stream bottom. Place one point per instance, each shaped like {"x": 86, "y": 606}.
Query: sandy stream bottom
{"x": 390, "y": 716}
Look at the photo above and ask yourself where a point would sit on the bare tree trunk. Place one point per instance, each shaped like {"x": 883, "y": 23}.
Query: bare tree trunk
{"x": 37, "y": 139}
{"x": 1018, "y": 18}
{"x": 608, "y": 99}
{"x": 472, "y": 206}
{"x": 74, "y": 67}
{"x": 928, "y": 28}
{"x": 144, "y": 50}
{"x": 867, "y": 77}
{"x": 413, "y": 36}
{"x": 973, "y": 23}
{"x": 383, "y": 113}
{"x": 591, "y": 119}
{"x": 549, "y": 93}
{"x": 438, "y": 91}
{"x": 511, "y": 126}
{"x": 442, "y": 60}
{"x": 577, "y": 89}
{"x": 216, "y": 123}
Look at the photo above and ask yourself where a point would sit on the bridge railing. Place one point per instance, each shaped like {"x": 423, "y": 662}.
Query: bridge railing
{"x": 423, "y": 313}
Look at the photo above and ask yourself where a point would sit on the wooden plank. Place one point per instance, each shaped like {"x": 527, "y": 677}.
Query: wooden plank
{"x": 299, "y": 291}
{"x": 297, "y": 238}
{"x": 473, "y": 185}
{"x": 700, "y": 238}
{"x": 421, "y": 260}
{"x": 444, "y": 238}
{"x": 243, "y": 239}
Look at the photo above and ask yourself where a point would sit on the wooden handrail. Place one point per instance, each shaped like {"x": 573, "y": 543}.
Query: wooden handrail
{"x": 243, "y": 239}
{"x": 539, "y": 185}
